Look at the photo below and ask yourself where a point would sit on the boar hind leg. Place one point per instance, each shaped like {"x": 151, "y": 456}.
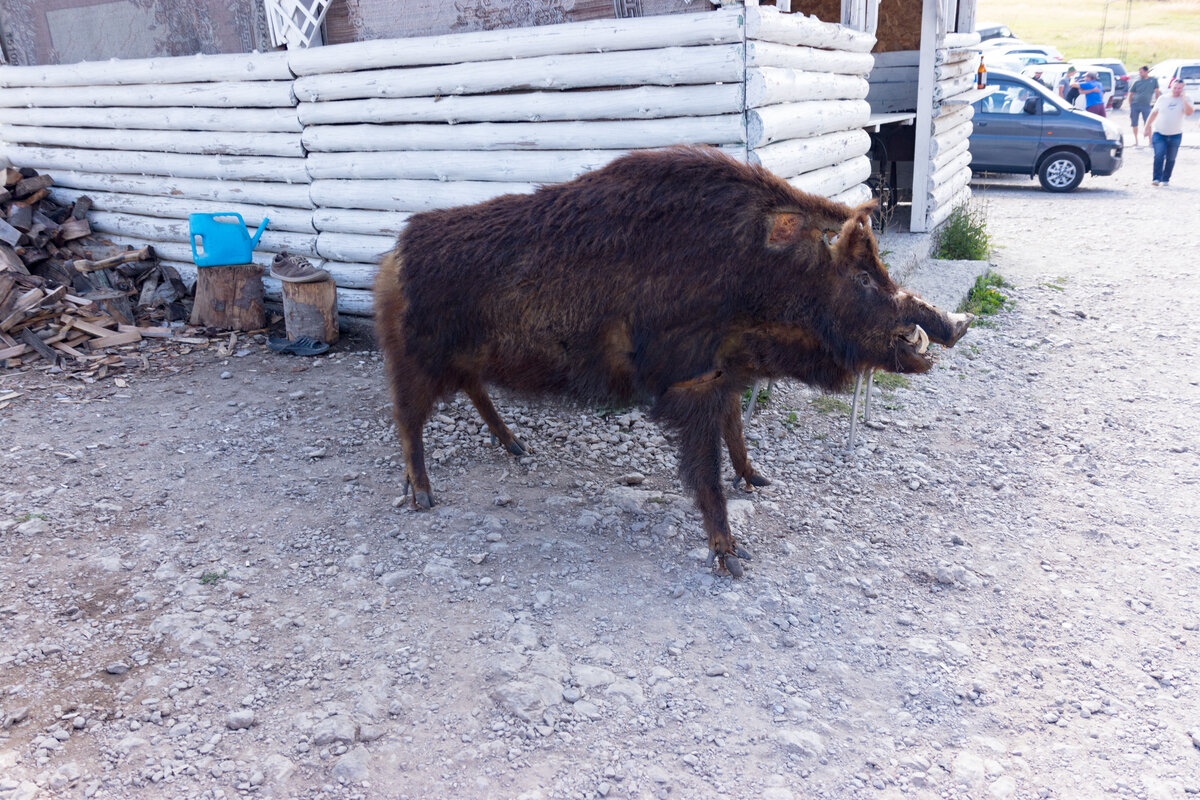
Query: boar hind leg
{"x": 735, "y": 441}
{"x": 695, "y": 414}
{"x": 483, "y": 404}
{"x": 412, "y": 402}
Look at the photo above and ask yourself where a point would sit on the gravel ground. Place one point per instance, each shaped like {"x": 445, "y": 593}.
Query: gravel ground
{"x": 210, "y": 585}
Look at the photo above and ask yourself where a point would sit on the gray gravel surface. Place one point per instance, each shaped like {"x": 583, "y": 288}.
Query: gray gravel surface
{"x": 212, "y": 588}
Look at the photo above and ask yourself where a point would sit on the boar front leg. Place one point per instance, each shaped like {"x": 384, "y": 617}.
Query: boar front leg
{"x": 695, "y": 412}
{"x": 735, "y": 441}
{"x": 500, "y": 432}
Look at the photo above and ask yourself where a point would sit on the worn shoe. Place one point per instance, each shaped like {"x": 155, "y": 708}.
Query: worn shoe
{"x": 296, "y": 269}
{"x": 1154, "y": 183}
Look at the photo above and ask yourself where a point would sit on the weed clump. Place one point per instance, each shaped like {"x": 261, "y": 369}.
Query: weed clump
{"x": 987, "y": 296}
{"x": 964, "y": 235}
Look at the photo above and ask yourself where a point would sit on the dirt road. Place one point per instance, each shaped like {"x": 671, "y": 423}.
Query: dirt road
{"x": 209, "y": 588}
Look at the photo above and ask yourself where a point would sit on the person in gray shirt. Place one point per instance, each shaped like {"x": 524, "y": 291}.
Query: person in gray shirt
{"x": 1142, "y": 94}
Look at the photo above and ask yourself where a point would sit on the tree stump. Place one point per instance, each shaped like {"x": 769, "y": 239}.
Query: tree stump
{"x": 229, "y": 298}
{"x": 310, "y": 309}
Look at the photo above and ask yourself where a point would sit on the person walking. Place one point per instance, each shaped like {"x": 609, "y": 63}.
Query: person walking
{"x": 1142, "y": 95}
{"x": 1093, "y": 94}
{"x": 1166, "y": 120}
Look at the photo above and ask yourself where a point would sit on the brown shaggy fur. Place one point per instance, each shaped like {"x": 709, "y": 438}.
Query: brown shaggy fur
{"x": 672, "y": 278}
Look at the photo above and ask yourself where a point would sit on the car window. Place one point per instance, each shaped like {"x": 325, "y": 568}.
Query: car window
{"x": 1191, "y": 73}
{"x": 1006, "y": 98}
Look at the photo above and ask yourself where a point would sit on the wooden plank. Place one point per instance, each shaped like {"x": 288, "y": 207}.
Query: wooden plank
{"x": 270, "y": 194}
{"x": 537, "y": 166}
{"x": 260, "y": 94}
{"x": 115, "y": 340}
{"x": 13, "y": 352}
{"x": 604, "y": 135}
{"x": 176, "y": 165}
{"x": 235, "y": 143}
{"x": 664, "y": 67}
{"x": 281, "y": 219}
{"x": 644, "y": 102}
{"x": 186, "y": 69}
{"x": 89, "y": 328}
{"x": 279, "y": 120}
{"x": 31, "y": 339}
{"x": 766, "y": 23}
{"x": 804, "y": 119}
{"x": 723, "y": 26}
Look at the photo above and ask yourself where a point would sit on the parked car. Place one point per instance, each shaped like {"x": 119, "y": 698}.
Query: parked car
{"x": 1120, "y": 87}
{"x": 993, "y": 30}
{"x": 1048, "y": 52}
{"x": 1022, "y": 127}
{"x": 1185, "y": 69}
{"x": 1051, "y": 73}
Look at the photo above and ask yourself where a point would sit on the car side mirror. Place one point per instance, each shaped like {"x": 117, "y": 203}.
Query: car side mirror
{"x": 1031, "y": 105}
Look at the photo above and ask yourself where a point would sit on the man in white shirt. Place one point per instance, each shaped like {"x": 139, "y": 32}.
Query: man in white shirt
{"x": 1166, "y": 120}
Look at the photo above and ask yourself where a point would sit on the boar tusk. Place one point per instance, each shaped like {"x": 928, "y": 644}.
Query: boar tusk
{"x": 919, "y": 338}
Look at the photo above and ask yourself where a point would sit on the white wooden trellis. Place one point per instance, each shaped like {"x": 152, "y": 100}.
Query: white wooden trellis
{"x": 296, "y": 23}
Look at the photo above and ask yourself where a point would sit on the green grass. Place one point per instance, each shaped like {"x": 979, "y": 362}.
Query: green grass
{"x": 209, "y": 578}
{"x": 964, "y": 235}
{"x": 828, "y": 404}
{"x": 1157, "y": 30}
{"x": 764, "y": 395}
{"x": 1057, "y": 284}
{"x": 986, "y": 298}
{"x": 891, "y": 381}
{"x": 27, "y": 517}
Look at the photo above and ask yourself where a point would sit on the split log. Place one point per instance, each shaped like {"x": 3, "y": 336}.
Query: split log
{"x": 274, "y": 195}
{"x": 638, "y": 33}
{"x": 28, "y": 186}
{"x": 644, "y": 102}
{"x": 8, "y": 234}
{"x": 257, "y": 94}
{"x": 768, "y": 24}
{"x": 278, "y": 120}
{"x": 10, "y": 261}
{"x": 548, "y": 166}
{"x": 310, "y": 309}
{"x": 128, "y": 257}
{"x": 410, "y": 195}
{"x": 20, "y": 216}
{"x": 224, "y": 67}
{"x": 604, "y": 134}
{"x": 281, "y": 219}
{"x": 229, "y": 298}
{"x": 831, "y": 181}
{"x": 31, "y": 339}
{"x": 180, "y": 165}
{"x": 235, "y": 143}
{"x": 770, "y": 85}
{"x": 114, "y": 303}
{"x": 74, "y": 229}
{"x": 814, "y": 59}
{"x": 804, "y": 119}
{"x": 673, "y": 66}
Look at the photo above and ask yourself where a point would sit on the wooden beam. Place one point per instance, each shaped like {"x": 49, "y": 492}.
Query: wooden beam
{"x": 271, "y": 194}
{"x": 533, "y": 166}
{"x": 282, "y": 120}
{"x": 410, "y": 195}
{"x": 181, "y": 165}
{"x": 232, "y": 143}
{"x": 263, "y": 94}
{"x": 224, "y": 67}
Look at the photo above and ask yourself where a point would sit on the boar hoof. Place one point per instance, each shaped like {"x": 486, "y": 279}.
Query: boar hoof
{"x": 758, "y": 480}
{"x": 423, "y": 500}
{"x": 731, "y": 563}
{"x": 517, "y": 448}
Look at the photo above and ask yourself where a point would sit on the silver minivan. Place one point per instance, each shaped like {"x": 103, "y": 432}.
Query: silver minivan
{"x": 1022, "y": 127}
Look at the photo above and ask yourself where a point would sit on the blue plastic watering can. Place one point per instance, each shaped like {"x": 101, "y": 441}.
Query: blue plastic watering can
{"x": 216, "y": 243}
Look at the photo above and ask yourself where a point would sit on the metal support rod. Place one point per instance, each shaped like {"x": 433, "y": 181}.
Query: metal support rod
{"x": 858, "y": 379}
{"x": 867, "y": 399}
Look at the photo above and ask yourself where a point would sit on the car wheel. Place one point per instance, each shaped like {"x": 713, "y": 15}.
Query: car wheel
{"x": 1117, "y": 104}
{"x": 1061, "y": 172}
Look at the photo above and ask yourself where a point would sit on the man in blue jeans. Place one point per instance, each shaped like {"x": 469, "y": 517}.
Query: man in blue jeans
{"x": 1166, "y": 120}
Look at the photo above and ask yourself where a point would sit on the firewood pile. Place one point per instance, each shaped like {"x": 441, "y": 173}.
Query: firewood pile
{"x": 67, "y": 296}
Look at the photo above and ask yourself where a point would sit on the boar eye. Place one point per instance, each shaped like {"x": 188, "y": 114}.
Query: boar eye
{"x": 864, "y": 279}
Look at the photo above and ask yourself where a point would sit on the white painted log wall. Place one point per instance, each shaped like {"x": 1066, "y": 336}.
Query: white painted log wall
{"x": 370, "y": 133}
{"x": 950, "y": 156}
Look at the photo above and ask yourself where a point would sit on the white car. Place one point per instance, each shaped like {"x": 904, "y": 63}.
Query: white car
{"x": 1052, "y": 73}
{"x": 1185, "y": 69}
{"x": 1049, "y": 52}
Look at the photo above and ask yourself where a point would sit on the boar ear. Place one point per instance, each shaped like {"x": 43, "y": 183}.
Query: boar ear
{"x": 786, "y": 228}
{"x": 849, "y": 241}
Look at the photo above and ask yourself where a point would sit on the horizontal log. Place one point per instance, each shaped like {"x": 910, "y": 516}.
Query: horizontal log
{"x": 155, "y": 229}
{"x": 813, "y": 59}
{"x": 183, "y": 165}
{"x": 951, "y": 56}
{"x": 793, "y": 157}
{"x": 938, "y": 215}
{"x": 645, "y": 102}
{"x": 945, "y": 156}
{"x": 236, "y": 143}
{"x": 953, "y": 117}
{"x": 855, "y": 196}
{"x": 947, "y": 71}
{"x": 948, "y": 171}
{"x": 349, "y": 220}
{"x": 959, "y": 41}
{"x": 350, "y": 275}
{"x": 803, "y": 120}
{"x": 952, "y": 87}
{"x": 281, "y": 219}
{"x": 770, "y": 85}
{"x": 282, "y": 120}
{"x": 639, "y": 33}
{"x": 833, "y": 180}
{"x": 603, "y": 134}
{"x": 185, "y": 69}
{"x": 410, "y": 195}
{"x": 353, "y": 247}
{"x": 949, "y": 138}
{"x": 528, "y": 166}
{"x": 665, "y": 67}
{"x": 768, "y": 24}
{"x": 943, "y": 192}
{"x": 263, "y": 94}
{"x": 275, "y": 195}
